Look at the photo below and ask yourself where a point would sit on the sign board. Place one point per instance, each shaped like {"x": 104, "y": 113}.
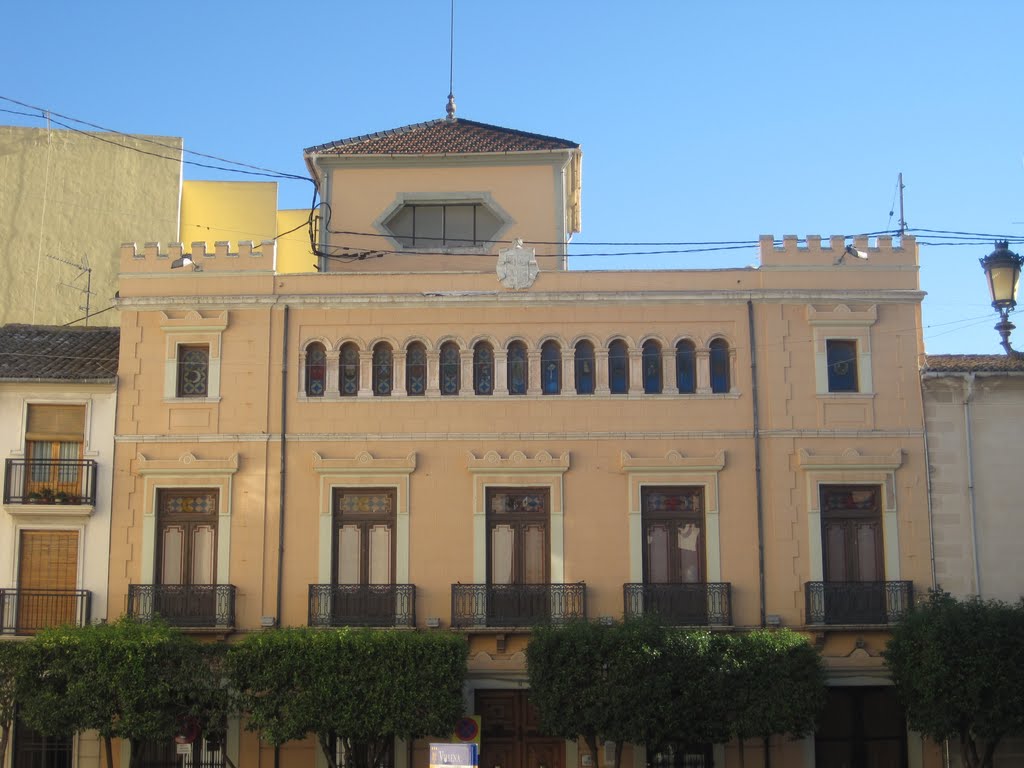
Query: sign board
{"x": 183, "y": 749}
{"x": 454, "y": 755}
{"x": 467, "y": 730}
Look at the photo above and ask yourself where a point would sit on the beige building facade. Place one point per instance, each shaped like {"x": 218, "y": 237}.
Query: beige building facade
{"x": 973, "y": 408}
{"x": 445, "y": 429}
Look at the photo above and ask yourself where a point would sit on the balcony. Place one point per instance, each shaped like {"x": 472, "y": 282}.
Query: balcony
{"x": 680, "y": 605}
{"x": 50, "y": 481}
{"x": 188, "y": 606}
{"x": 857, "y": 603}
{"x": 516, "y": 605}
{"x": 362, "y": 605}
{"x": 26, "y": 611}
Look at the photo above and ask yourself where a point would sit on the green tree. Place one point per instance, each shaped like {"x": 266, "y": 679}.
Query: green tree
{"x": 364, "y": 687}
{"x": 776, "y": 683}
{"x": 11, "y": 664}
{"x": 585, "y": 678}
{"x": 127, "y": 680}
{"x": 958, "y": 666}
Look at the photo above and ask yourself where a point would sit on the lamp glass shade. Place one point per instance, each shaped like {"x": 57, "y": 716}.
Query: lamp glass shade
{"x": 1002, "y": 267}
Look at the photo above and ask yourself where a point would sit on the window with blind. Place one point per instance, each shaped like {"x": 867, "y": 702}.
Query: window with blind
{"x": 47, "y": 578}
{"x": 54, "y": 436}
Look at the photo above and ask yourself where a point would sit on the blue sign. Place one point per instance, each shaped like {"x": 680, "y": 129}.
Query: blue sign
{"x": 454, "y": 755}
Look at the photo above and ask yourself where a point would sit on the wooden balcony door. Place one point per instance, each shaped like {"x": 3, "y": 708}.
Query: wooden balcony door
{"x": 674, "y": 551}
{"x": 851, "y": 533}
{"x": 510, "y": 733}
{"x": 187, "y": 554}
{"x": 518, "y": 554}
{"x": 47, "y": 579}
{"x": 364, "y": 556}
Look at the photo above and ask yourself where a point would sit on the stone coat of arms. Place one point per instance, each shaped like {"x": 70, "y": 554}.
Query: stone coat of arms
{"x": 517, "y": 266}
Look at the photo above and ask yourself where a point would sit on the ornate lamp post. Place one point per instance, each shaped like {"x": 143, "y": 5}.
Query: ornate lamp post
{"x": 1002, "y": 268}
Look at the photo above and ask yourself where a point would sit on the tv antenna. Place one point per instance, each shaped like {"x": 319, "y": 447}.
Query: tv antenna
{"x": 83, "y": 269}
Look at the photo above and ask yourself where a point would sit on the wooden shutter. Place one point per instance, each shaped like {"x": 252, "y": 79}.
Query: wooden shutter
{"x": 56, "y": 423}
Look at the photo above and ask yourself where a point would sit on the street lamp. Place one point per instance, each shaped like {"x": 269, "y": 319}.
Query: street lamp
{"x": 1002, "y": 268}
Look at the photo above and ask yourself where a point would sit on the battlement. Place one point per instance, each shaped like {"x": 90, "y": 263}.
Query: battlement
{"x": 827, "y": 252}
{"x": 248, "y": 257}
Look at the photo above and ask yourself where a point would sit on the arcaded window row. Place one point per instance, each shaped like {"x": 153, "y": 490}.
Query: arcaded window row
{"x": 516, "y": 369}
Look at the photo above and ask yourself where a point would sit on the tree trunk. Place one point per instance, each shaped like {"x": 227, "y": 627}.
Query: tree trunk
{"x": 5, "y": 736}
{"x": 108, "y": 747}
{"x": 591, "y": 741}
{"x": 326, "y": 745}
{"x": 618, "y": 753}
{"x": 767, "y": 752}
{"x": 743, "y": 755}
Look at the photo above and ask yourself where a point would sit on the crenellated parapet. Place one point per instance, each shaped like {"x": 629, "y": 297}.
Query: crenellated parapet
{"x": 838, "y": 251}
{"x": 248, "y": 257}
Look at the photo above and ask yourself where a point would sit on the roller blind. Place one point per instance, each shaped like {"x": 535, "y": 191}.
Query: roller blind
{"x": 56, "y": 423}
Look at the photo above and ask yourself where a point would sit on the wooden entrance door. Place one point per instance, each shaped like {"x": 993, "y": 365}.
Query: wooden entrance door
{"x": 510, "y": 734}
{"x": 854, "y": 565}
{"x": 47, "y": 579}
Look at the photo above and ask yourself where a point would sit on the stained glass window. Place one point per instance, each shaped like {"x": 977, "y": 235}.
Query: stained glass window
{"x": 551, "y": 368}
{"x": 193, "y": 371}
{"x": 618, "y": 367}
{"x": 584, "y": 368}
{"x": 316, "y": 370}
{"x": 483, "y": 368}
{"x": 349, "y": 370}
{"x": 652, "y": 367}
{"x": 450, "y": 365}
{"x": 719, "y": 365}
{"x": 686, "y": 368}
{"x": 518, "y": 368}
{"x": 383, "y": 370}
{"x": 416, "y": 370}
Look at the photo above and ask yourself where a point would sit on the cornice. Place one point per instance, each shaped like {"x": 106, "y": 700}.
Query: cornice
{"x": 364, "y": 463}
{"x": 187, "y": 463}
{"x": 673, "y": 461}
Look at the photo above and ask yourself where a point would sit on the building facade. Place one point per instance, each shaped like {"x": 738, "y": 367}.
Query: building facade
{"x": 57, "y": 402}
{"x": 971, "y": 407}
{"x": 446, "y": 429}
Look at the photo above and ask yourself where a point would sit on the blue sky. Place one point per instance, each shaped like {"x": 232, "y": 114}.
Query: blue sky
{"x": 699, "y": 121}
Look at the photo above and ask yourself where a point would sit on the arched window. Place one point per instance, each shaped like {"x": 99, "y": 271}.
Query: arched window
{"x": 719, "y": 365}
{"x": 483, "y": 368}
{"x": 518, "y": 368}
{"x": 584, "y": 368}
{"x": 383, "y": 370}
{"x": 349, "y": 370}
{"x": 618, "y": 367}
{"x": 450, "y": 365}
{"x": 416, "y": 370}
{"x": 316, "y": 370}
{"x": 551, "y": 368}
{"x": 686, "y": 368}
{"x": 652, "y": 367}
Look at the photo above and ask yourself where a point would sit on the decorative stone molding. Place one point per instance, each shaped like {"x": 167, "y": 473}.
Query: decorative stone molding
{"x": 674, "y": 461}
{"x": 851, "y": 459}
{"x": 518, "y": 461}
{"x": 364, "y": 463}
{"x": 187, "y": 463}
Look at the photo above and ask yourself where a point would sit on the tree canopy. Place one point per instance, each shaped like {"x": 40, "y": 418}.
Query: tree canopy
{"x": 697, "y": 686}
{"x": 128, "y": 680}
{"x": 958, "y": 667}
{"x": 362, "y": 686}
{"x": 11, "y": 663}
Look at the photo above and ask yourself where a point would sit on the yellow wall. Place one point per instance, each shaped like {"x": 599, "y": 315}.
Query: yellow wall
{"x": 67, "y": 195}
{"x": 293, "y": 251}
{"x": 228, "y": 210}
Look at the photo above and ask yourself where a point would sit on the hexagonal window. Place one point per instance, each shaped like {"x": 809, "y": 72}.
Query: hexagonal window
{"x": 443, "y": 225}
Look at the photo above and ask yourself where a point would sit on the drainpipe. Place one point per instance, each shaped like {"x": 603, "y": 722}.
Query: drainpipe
{"x": 928, "y": 481}
{"x": 757, "y": 463}
{"x": 280, "y": 514}
{"x": 968, "y": 396}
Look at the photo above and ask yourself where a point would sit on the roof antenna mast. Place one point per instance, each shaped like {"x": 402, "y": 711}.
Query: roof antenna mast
{"x": 450, "y": 108}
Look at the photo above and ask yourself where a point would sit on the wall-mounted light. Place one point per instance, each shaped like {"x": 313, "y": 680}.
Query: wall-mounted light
{"x": 186, "y": 261}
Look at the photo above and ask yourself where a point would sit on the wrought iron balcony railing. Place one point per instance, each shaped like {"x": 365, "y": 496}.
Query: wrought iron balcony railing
{"x": 26, "y": 611}
{"x": 50, "y": 481}
{"x": 681, "y": 605}
{"x": 362, "y": 605}
{"x": 516, "y": 605}
{"x": 190, "y": 606}
{"x": 857, "y": 602}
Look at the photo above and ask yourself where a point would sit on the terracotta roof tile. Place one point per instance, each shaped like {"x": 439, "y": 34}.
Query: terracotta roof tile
{"x": 55, "y": 353}
{"x": 440, "y": 137}
{"x": 973, "y": 364}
